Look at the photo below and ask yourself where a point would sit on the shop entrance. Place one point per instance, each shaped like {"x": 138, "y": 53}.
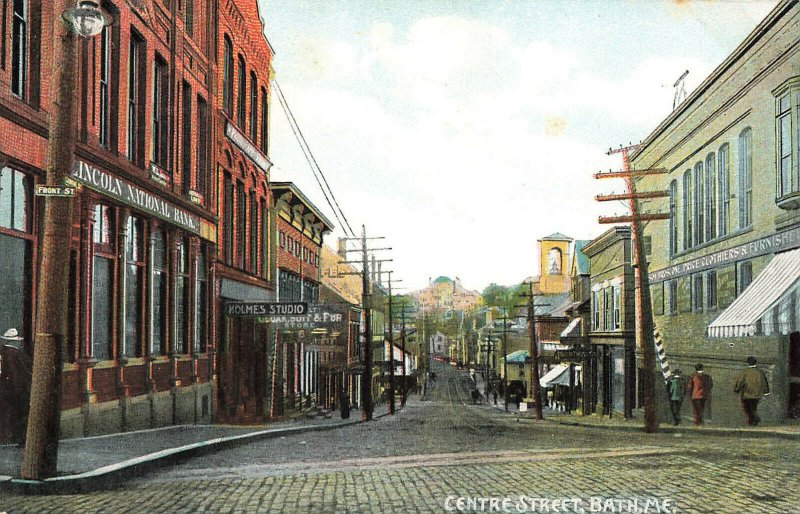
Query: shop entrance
{"x": 793, "y": 411}
{"x": 242, "y": 371}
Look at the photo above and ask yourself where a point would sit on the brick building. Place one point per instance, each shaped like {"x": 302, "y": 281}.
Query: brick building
{"x": 300, "y": 227}
{"x": 245, "y": 259}
{"x": 724, "y": 273}
{"x": 143, "y": 235}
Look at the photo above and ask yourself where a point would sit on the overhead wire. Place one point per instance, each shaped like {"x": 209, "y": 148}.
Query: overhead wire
{"x": 312, "y": 161}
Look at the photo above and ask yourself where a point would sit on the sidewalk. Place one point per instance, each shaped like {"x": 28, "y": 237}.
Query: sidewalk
{"x": 790, "y": 430}
{"x": 94, "y": 463}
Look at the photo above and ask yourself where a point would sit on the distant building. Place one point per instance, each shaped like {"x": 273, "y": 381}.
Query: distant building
{"x": 445, "y": 295}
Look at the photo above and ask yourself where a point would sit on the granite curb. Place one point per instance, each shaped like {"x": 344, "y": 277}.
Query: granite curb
{"x": 111, "y": 476}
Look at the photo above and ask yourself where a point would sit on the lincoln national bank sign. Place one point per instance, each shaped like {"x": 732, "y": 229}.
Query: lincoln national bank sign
{"x": 129, "y": 194}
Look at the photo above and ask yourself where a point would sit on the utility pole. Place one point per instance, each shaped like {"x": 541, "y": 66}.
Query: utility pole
{"x": 536, "y": 393}
{"x": 40, "y": 457}
{"x": 366, "y": 302}
{"x": 644, "y": 309}
{"x": 391, "y": 395}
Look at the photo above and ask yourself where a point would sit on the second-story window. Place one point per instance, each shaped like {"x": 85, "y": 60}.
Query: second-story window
{"x": 202, "y": 147}
{"x": 673, "y": 217}
{"x": 699, "y": 204}
{"x": 135, "y": 135}
{"x": 787, "y": 132}
{"x": 188, "y": 17}
{"x": 227, "y": 220}
{"x": 105, "y": 85}
{"x": 227, "y": 77}
{"x": 186, "y": 155}
{"x": 19, "y": 48}
{"x": 253, "y": 107}
{"x": 688, "y": 215}
{"x": 745, "y": 178}
{"x": 160, "y": 138}
{"x": 241, "y": 93}
{"x": 264, "y": 121}
{"x": 241, "y": 225}
{"x": 253, "y": 234}
{"x": 711, "y": 197}
{"x": 724, "y": 178}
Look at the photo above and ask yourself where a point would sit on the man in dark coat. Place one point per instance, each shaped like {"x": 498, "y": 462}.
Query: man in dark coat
{"x": 699, "y": 390}
{"x": 675, "y": 391}
{"x": 15, "y": 388}
{"x": 751, "y": 384}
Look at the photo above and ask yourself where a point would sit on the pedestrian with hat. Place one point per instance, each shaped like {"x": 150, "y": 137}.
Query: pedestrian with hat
{"x": 699, "y": 390}
{"x": 15, "y": 388}
{"x": 752, "y": 385}
{"x": 675, "y": 392}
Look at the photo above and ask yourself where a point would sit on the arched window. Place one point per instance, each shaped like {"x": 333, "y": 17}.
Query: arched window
{"x": 745, "y": 178}
{"x": 227, "y": 77}
{"x": 253, "y": 107}
{"x": 673, "y": 217}
{"x": 688, "y": 216}
{"x": 699, "y": 204}
{"x": 724, "y": 180}
{"x": 554, "y": 262}
{"x": 711, "y": 197}
{"x": 241, "y": 94}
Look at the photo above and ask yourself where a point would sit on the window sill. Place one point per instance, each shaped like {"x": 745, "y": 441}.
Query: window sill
{"x": 713, "y": 242}
{"x": 789, "y": 202}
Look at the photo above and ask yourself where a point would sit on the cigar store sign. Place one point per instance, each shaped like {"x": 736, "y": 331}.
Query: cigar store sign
{"x": 774, "y": 243}
{"x": 133, "y": 196}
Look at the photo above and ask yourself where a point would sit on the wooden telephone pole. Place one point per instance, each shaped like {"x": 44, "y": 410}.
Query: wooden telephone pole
{"x": 536, "y": 393}
{"x": 644, "y": 309}
{"x": 366, "y": 302}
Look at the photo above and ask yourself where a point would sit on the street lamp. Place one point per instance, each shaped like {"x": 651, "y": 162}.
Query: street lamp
{"x": 41, "y": 445}
{"x": 86, "y": 18}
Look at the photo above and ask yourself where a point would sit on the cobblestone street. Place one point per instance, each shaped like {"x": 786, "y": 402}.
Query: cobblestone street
{"x": 441, "y": 455}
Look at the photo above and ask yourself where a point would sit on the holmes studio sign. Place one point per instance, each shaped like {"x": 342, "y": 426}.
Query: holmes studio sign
{"x": 132, "y": 195}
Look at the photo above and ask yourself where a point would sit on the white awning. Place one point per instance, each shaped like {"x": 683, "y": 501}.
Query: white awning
{"x": 773, "y": 286}
{"x": 552, "y": 377}
{"x": 573, "y": 329}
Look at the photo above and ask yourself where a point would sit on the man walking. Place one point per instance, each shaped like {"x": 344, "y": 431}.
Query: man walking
{"x": 751, "y": 384}
{"x": 699, "y": 390}
{"x": 675, "y": 391}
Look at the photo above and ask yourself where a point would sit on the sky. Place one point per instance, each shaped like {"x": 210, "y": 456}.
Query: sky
{"x": 463, "y": 131}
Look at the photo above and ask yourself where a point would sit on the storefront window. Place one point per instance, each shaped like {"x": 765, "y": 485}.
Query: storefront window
{"x": 181, "y": 282}
{"x": 102, "y": 282}
{"x": 134, "y": 257}
{"x": 200, "y": 343}
{"x": 15, "y": 249}
{"x": 158, "y": 298}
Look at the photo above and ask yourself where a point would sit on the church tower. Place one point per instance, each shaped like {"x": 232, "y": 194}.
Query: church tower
{"x": 553, "y": 263}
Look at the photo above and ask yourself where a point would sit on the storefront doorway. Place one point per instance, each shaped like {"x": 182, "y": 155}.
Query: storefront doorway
{"x": 793, "y": 411}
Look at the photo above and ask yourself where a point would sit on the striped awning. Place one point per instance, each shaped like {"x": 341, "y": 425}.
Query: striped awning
{"x": 744, "y": 316}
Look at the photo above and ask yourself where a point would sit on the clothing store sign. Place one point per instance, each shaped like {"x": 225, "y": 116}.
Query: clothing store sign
{"x": 774, "y": 243}
{"x": 133, "y": 196}
{"x": 317, "y": 316}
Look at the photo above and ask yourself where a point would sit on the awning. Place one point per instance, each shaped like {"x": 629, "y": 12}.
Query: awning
{"x": 555, "y": 376}
{"x": 559, "y": 375}
{"x": 573, "y": 329}
{"x": 517, "y": 357}
{"x": 775, "y": 285}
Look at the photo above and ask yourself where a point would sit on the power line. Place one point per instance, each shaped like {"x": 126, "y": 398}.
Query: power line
{"x": 312, "y": 161}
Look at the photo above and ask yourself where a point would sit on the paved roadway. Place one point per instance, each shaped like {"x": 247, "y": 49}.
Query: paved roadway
{"x": 440, "y": 455}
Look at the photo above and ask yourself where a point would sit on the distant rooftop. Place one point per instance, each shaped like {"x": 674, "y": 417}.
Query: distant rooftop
{"x": 582, "y": 261}
{"x": 556, "y": 236}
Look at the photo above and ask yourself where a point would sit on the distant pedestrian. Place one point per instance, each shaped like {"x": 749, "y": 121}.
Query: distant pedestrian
{"x": 751, "y": 384}
{"x": 699, "y": 390}
{"x": 494, "y": 394}
{"x": 475, "y": 395}
{"x": 675, "y": 390}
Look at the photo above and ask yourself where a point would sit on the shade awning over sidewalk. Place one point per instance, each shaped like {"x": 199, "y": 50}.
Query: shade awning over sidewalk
{"x": 517, "y": 357}
{"x": 764, "y": 306}
{"x": 555, "y": 376}
{"x": 573, "y": 329}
